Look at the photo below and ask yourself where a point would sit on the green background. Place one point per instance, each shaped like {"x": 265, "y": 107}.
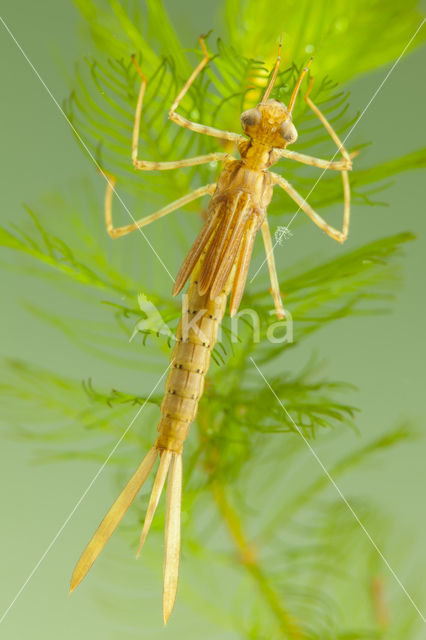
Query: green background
{"x": 384, "y": 356}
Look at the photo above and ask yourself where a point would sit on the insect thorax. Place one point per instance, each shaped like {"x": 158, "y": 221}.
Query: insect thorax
{"x": 257, "y": 156}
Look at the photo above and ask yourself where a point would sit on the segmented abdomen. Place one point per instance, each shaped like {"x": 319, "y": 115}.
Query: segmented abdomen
{"x": 218, "y": 262}
{"x": 195, "y": 338}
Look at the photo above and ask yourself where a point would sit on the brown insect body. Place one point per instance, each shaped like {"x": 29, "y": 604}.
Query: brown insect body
{"x": 236, "y": 211}
{"x": 219, "y": 259}
{"x": 196, "y": 336}
{"x": 217, "y": 265}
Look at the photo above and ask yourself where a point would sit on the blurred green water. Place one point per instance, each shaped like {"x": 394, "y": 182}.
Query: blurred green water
{"x": 383, "y": 356}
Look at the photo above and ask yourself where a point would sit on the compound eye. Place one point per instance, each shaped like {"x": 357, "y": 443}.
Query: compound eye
{"x": 250, "y": 118}
{"x": 288, "y": 131}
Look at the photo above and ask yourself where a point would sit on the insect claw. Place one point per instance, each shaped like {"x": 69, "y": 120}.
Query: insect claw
{"x": 138, "y": 69}
{"x": 203, "y": 45}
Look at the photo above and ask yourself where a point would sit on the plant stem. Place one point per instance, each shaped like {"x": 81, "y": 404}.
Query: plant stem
{"x": 247, "y": 557}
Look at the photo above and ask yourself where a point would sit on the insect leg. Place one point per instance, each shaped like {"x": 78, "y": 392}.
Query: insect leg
{"x": 345, "y": 154}
{"x": 194, "y": 126}
{"x": 145, "y": 165}
{"x": 275, "y": 287}
{"x": 116, "y": 232}
{"x": 338, "y": 165}
{"x": 326, "y": 123}
{"x": 340, "y": 236}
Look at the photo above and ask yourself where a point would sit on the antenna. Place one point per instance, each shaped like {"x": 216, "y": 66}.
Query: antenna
{"x": 297, "y": 87}
{"x": 274, "y": 74}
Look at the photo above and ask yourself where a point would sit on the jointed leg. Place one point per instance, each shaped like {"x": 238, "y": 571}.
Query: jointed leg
{"x": 275, "y": 287}
{"x": 326, "y": 123}
{"x": 340, "y": 236}
{"x": 144, "y": 165}
{"x": 116, "y": 232}
{"x": 346, "y": 156}
{"x": 194, "y": 126}
{"x": 339, "y": 165}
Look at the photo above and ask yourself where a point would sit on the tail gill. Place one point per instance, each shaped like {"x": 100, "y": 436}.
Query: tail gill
{"x": 171, "y": 464}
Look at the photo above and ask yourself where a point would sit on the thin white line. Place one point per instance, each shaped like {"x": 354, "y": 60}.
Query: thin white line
{"x": 80, "y": 500}
{"x": 333, "y": 482}
{"x": 95, "y": 162}
{"x": 348, "y": 134}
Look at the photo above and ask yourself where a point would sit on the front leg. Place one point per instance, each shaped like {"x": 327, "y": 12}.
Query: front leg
{"x": 340, "y": 236}
{"x": 194, "y": 126}
{"x": 338, "y": 165}
{"x": 339, "y": 144}
{"x": 343, "y": 165}
{"x": 147, "y": 165}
